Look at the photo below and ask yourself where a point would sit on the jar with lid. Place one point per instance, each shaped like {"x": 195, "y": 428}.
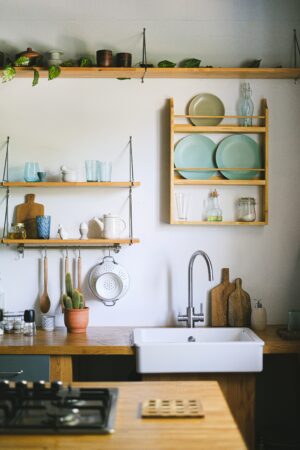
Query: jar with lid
{"x": 17, "y": 231}
{"x": 29, "y": 325}
{"x": 246, "y": 209}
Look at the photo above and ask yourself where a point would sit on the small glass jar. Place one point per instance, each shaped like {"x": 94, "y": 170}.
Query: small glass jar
{"x": 17, "y": 231}
{"x": 29, "y": 325}
{"x": 246, "y": 209}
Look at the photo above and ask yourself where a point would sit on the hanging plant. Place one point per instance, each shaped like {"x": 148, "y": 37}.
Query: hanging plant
{"x": 53, "y": 72}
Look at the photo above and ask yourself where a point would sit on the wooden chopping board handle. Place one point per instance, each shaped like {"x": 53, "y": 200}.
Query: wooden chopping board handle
{"x": 29, "y": 198}
{"x": 225, "y": 275}
{"x": 238, "y": 283}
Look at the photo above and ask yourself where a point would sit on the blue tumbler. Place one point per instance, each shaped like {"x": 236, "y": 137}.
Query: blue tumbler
{"x": 43, "y": 226}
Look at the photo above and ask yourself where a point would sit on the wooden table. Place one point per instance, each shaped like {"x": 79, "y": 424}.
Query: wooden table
{"x": 217, "y": 430}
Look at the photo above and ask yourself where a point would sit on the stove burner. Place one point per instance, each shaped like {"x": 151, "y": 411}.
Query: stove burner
{"x": 43, "y": 410}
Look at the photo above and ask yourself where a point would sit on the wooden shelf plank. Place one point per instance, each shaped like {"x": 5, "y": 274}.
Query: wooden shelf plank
{"x": 66, "y": 242}
{"x": 218, "y": 182}
{"x": 161, "y": 72}
{"x": 203, "y": 222}
{"x": 187, "y": 128}
{"x": 71, "y": 184}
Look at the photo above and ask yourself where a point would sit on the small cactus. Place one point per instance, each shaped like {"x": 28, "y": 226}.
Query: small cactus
{"x": 73, "y": 299}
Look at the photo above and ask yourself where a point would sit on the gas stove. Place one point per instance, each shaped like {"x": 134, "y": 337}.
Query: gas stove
{"x": 34, "y": 408}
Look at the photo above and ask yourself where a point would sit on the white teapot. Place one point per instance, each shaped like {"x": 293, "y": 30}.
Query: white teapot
{"x": 111, "y": 225}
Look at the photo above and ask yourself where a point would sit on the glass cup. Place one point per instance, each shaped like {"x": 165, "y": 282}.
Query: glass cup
{"x": 43, "y": 226}
{"x": 182, "y": 203}
{"x": 31, "y": 171}
{"x": 105, "y": 168}
{"x": 91, "y": 170}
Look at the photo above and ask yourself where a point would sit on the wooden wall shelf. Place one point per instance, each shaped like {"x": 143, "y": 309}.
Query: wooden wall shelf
{"x": 159, "y": 72}
{"x": 69, "y": 242}
{"x": 125, "y": 184}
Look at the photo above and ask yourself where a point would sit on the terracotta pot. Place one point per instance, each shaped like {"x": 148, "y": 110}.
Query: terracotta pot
{"x": 76, "y": 320}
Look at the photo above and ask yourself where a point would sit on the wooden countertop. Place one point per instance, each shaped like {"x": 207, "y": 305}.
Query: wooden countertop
{"x": 109, "y": 341}
{"x": 96, "y": 341}
{"x": 217, "y": 430}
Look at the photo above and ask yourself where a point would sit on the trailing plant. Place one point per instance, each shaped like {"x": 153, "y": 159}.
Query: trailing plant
{"x": 73, "y": 299}
{"x": 9, "y": 71}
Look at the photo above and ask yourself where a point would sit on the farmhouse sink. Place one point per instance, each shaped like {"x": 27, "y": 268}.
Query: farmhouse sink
{"x": 194, "y": 350}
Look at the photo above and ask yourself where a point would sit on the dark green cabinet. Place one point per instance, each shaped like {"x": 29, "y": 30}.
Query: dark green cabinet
{"x": 24, "y": 367}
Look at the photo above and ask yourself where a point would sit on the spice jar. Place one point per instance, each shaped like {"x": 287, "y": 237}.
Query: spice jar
{"x": 17, "y": 231}
{"x": 246, "y": 209}
{"x": 29, "y": 319}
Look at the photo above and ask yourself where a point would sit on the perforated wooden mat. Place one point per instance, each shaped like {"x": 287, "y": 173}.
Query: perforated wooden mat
{"x": 172, "y": 408}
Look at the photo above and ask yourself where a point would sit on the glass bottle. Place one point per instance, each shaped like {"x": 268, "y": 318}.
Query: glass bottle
{"x": 213, "y": 212}
{"x": 29, "y": 319}
{"x": 246, "y": 106}
{"x": 246, "y": 209}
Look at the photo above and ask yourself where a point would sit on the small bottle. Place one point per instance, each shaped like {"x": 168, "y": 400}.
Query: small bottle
{"x": 213, "y": 212}
{"x": 2, "y": 295}
{"x": 1, "y": 322}
{"x": 29, "y": 325}
{"x": 246, "y": 106}
{"x": 258, "y": 317}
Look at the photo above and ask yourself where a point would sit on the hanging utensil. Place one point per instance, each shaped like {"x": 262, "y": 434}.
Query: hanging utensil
{"x": 65, "y": 269}
{"x": 79, "y": 272}
{"x": 108, "y": 281}
{"x": 44, "y": 298}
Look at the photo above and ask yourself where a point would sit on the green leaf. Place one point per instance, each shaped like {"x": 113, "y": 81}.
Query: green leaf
{"x": 191, "y": 62}
{"x": 8, "y": 73}
{"x": 166, "y": 63}
{"x": 53, "y": 72}
{"x": 69, "y": 63}
{"x": 36, "y": 76}
{"x": 22, "y": 61}
{"x": 85, "y": 62}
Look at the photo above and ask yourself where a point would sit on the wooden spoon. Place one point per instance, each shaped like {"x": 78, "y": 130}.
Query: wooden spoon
{"x": 44, "y": 298}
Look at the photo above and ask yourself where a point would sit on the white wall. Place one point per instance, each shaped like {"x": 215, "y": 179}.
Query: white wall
{"x": 68, "y": 121}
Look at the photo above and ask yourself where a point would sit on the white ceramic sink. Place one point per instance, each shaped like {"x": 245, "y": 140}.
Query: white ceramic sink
{"x": 193, "y": 350}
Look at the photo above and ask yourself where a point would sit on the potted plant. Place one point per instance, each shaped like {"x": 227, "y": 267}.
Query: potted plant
{"x": 76, "y": 314}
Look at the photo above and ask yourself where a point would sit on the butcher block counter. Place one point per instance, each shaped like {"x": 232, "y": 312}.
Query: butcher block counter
{"x": 217, "y": 430}
{"x": 101, "y": 341}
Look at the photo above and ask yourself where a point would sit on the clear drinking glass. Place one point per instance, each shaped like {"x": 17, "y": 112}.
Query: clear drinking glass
{"x": 105, "y": 168}
{"x": 91, "y": 171}
{"x": 182, "y": 203}
{"x": 31, "y": 171}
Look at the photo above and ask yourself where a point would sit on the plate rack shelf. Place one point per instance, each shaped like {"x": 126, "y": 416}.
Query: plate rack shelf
{"x": 114, "y": 244}
{"x": 260, "y": 128}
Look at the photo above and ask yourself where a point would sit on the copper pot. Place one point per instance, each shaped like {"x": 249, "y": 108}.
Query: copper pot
{"x": 34, "y": 57}
{"x": 104, "y": 58}
{"x": 124, "y": 59}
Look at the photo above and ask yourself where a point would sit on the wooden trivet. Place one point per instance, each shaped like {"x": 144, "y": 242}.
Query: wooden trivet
{"x": 172, "y": 408}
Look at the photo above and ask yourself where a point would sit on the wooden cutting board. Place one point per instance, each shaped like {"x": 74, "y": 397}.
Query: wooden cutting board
{"x": 239, "y": 306}
{"x": 27, "y": 212}
{"x": 219, "y": 300}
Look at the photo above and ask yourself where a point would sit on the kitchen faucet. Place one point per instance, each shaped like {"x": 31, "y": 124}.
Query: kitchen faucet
{"x": 191, "y": 317}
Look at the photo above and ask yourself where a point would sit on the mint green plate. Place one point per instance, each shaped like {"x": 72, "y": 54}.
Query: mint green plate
{"x": 238, "y": 150}
{"x": 195, "y": 151}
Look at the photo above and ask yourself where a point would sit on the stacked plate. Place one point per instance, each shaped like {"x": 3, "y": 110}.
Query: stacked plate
{"x": 199, "y": 151}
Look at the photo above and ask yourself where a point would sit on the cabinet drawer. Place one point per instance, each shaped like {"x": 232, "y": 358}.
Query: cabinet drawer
{"x": 24, "y": 367}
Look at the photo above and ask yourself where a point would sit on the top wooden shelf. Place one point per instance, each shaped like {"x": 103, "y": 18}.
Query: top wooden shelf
{"x": 161, "y": 72}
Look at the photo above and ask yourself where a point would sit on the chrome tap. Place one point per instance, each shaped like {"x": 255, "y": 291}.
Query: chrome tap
{"x": 191, "y": 317}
